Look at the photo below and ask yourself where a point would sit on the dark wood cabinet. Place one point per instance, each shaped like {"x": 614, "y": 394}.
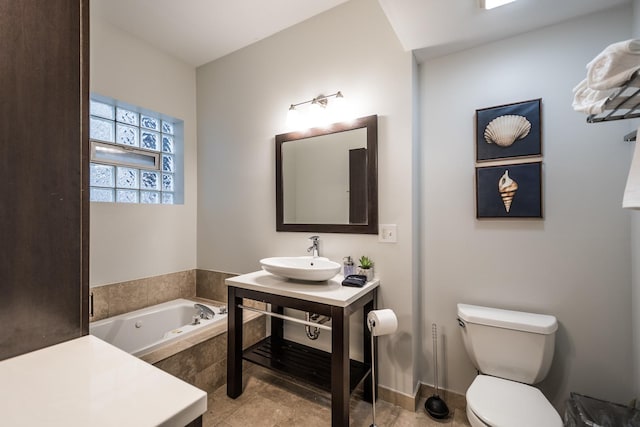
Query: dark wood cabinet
{"x": 44, "y": 209}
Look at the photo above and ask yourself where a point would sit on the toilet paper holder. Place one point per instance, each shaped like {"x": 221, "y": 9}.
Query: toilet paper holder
{"x": 379, "y": 322}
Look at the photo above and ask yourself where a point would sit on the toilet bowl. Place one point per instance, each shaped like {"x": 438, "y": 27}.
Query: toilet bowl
{"x": 497, "y": 402}
{"x": 511, "y": 350}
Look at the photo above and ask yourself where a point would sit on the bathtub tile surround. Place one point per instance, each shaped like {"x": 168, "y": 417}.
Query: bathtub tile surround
{"x": 128, "y": 296}
{"x": 171, "y": 286}
{"x": 100, "y": 303}
{"x": 199, "y": 359}
{"x": 117, "y": 298}
{"x": 210, "y": 284}
{"x": 204, "y": 364}
{"x": 271, "y": 400}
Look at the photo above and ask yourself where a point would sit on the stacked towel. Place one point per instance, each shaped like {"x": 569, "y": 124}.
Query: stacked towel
{"x": 614, "y": 65}
{"x": 606, "y": 73}
{"x": 590, "y": 101}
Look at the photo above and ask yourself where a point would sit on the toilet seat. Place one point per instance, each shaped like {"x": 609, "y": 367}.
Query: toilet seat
{"x": 502, "y": 403}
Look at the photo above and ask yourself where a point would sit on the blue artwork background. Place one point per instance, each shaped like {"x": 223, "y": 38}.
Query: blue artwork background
{"x": 527, "y": 202}
{"x": 529, "y": 146}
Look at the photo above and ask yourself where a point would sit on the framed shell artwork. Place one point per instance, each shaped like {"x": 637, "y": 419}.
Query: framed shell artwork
{"x": 508, "y": 131}
{"x": 509, "y": 191}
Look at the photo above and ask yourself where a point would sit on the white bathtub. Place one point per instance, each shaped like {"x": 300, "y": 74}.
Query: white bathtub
{"x": 142, "y": 331}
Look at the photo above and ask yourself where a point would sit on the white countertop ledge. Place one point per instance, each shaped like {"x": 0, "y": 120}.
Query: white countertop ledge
{"x": 87, "y": 382}
{"x": 330, "y": 292}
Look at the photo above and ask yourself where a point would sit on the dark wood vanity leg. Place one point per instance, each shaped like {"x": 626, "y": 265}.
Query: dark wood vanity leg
{"x": 366, "y": 345}
{"x": 234, "y": 345}
{"x": 277, "y": 332}
{"x": 340, "y": 375}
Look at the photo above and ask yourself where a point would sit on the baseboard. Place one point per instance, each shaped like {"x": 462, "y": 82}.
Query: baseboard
{"x": 403, "y": 400}
{"x": 411, "y": 402}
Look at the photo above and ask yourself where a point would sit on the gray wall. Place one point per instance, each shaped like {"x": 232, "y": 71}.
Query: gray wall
{"x": 576, "y": 262}
{"x": 242, "y": 104}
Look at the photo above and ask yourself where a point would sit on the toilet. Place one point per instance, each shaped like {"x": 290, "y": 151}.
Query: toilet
{"x": 511, "y": 350}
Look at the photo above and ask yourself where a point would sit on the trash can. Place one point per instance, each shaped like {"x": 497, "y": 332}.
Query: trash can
{"x": 585, "y": 411}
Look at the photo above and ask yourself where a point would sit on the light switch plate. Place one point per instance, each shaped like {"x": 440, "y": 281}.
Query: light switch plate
{"x": 388, "y": 233}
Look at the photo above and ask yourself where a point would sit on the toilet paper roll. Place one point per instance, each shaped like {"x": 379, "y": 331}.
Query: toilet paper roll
{"x": 382, "y": 322}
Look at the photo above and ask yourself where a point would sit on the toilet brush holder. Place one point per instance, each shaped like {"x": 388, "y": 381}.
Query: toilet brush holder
{"x": 435, "y": 406}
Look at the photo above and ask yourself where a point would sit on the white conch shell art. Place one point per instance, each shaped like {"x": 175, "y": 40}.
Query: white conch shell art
{"x": 507, "y": 129}
{"x": 507, "y": 188}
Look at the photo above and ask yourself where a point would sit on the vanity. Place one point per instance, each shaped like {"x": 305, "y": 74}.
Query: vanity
{"x": 334, "y": 372}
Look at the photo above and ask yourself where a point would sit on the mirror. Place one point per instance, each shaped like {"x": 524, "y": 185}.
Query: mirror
{"x": 327, "y": 179}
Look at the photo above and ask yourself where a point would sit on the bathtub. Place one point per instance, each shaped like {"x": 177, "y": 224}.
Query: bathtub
{"x": 143, "y": 331}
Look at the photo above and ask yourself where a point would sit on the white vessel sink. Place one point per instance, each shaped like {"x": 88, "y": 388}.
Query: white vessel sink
{"x": 315, "y": 269}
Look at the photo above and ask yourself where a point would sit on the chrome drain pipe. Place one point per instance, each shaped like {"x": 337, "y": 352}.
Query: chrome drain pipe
{"x": 318, "y": 321}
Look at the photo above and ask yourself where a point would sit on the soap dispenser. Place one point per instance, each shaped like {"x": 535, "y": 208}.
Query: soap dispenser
{"x": 349, "y": 267}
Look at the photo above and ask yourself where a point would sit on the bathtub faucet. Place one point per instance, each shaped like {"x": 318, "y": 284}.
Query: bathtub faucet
{"x": 204, "y": 312}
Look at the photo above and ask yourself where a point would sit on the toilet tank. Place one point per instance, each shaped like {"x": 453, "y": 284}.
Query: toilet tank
{"x": 508, "y": 344}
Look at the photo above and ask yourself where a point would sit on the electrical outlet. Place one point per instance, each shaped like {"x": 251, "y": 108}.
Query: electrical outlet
{"x": 388, "y": 233}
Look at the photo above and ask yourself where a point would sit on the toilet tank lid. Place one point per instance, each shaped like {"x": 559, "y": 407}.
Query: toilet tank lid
{"x": 508, "y": 319}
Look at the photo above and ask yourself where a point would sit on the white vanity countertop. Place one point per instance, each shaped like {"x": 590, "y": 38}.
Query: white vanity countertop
{"x": 87, "y": 382}
{"x": 330, "y": 292}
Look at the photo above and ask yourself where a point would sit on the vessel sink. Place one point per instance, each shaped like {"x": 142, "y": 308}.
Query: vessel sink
{"x": 315, "y": 269}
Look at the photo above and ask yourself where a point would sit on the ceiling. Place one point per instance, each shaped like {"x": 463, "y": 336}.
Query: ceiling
{"x": 200, "y": 31}
{"x": 436, "y": 27}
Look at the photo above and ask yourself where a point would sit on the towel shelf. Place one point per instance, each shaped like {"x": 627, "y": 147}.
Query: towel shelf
{"x": 624, "y": 104}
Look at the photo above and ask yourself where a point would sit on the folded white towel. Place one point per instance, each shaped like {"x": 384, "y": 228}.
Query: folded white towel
{"x": 590, "y": 101}
{"x": 614, "y": 65}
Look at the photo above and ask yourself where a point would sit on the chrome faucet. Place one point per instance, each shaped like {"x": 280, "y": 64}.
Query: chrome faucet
{"x": 315, "y": 246}
{"x": 204, "y": 312}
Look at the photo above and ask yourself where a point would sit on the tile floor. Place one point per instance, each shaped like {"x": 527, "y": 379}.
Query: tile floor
{"x": 273, "y": 400}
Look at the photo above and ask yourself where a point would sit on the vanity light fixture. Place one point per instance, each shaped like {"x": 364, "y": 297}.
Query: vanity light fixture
{"x": 491, "y": 4}
{"x": 320, "y": 112}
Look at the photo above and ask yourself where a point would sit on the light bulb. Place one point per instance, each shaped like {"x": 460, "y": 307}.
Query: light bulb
{"x": 294, "y": 121}
{"x": 338, "y": 108}
{"x": 318, "y": 116}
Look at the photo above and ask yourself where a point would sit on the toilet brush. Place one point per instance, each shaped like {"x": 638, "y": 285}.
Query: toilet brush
{"x": 435, "y": 406}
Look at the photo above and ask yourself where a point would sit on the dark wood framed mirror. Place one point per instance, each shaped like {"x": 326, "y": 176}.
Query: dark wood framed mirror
{"x": 327, "y": 178}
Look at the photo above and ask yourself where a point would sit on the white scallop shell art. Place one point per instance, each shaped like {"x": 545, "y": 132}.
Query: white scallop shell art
{"x": 505, "y": 130}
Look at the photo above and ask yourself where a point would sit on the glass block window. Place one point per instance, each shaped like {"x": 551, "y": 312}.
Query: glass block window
{"x": 119, "y": 176}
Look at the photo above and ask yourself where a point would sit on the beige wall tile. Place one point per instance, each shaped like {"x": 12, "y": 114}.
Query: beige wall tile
{"x": 210, "y": 284}
{"x": 181, "y": 365}
{"x": 111, "y": 300}
{"x": 205, "y": 284}
{"x": 100, "y": 303}
{"x": 212, "y": 377}
{"x": 127, "y": 296}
